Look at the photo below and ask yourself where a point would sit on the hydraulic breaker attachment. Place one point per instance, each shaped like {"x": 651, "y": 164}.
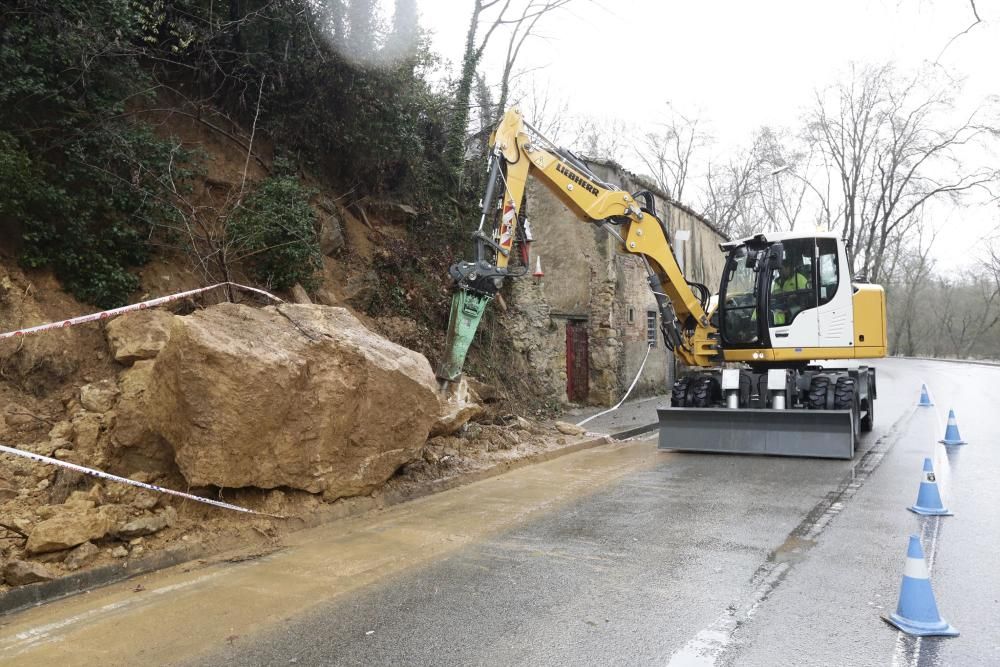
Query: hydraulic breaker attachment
{"x": 467, "y": 310}
{"x": 825, "y": 434}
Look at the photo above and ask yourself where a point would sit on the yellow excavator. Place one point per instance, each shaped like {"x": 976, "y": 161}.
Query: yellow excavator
{"x": 773, "y": 356}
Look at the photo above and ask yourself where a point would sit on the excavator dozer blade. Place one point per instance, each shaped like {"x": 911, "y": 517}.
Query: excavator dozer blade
{"x": 825, "y": 434}
{"x": 466, "y": 311}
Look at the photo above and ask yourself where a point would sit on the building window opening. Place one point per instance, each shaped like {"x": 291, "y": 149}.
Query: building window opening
{"x": 651, "y": 327}
{"x": 631, "y": 315}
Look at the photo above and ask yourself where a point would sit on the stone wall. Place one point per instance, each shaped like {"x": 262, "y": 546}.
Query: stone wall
{"x": 588, "y": 277}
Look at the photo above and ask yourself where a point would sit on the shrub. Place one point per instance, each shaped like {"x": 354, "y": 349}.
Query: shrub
{"x": 275, "y": 232}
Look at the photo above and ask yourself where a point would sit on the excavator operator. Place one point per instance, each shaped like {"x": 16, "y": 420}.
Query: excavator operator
{"x": 784, "y": 289}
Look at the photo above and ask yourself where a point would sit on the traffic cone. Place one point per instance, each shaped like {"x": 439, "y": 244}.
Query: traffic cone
{"x": 951, "y": 436}
{"x": 917, "y": 612}
{"x": 928, "y": 497}
{"x": 925, "y": 400}
{"x": 538, "y": 268}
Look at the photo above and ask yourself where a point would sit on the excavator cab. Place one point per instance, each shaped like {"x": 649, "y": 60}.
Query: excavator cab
{"x": 786, "y": 292}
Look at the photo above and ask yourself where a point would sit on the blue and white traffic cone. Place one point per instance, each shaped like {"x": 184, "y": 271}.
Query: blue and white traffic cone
{"x": 925, "y": 399}
{"x": 917, "y": 612}
{"x": 951, "y": 436}
{"x": 928, "y": 497}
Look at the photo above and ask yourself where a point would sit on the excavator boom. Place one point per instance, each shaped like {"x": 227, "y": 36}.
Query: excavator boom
{"x": 519, "y": 152}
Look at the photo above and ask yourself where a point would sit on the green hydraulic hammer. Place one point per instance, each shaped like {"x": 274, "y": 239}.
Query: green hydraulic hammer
{"x": 467, "y": 310}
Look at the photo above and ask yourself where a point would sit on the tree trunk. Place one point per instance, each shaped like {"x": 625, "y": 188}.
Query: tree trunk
{"x": 455, "y": 149}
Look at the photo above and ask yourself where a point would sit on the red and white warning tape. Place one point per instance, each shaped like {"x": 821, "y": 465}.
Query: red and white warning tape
{"x": 107, "y": 314}
{"x": 124, "y": 480}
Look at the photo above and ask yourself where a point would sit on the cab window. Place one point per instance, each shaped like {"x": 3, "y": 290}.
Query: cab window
{"x": 792, "y": 285}
{"x": 739, "y": 325}
{"x": 828, "y": 269}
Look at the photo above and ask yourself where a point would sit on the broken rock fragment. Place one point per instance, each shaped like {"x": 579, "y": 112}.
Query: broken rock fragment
{"x": 81, "y": 556}
{"x": 138, "y": 335}
{"x": 21, "y": 572}
{"x": 67, "y": 529}
{"x": 98, "y": 396}
{"x": 569, "y": 429}
{"x": 459, "y": 405}
{"x": 148, "y": 524}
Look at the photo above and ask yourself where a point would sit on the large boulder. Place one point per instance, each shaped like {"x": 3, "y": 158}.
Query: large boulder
{"x": 138, "y": 335}
{"x": 302, "y": 396}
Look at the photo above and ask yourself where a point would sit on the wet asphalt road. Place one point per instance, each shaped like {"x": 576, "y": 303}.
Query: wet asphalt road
{"x": 705, "y": 559}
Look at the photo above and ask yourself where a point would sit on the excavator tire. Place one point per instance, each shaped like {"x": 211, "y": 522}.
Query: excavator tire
{"x": 819, "y": 385}
{"x": 703, "y": 392}
{"x": 843, "y": 394}
{"x": 845, "y": 397}
{"x": 678, "y": 394}
{"x": 868, "y": 421}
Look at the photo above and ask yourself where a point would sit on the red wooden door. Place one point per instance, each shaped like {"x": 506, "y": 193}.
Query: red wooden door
{"x": 577, "y": 361}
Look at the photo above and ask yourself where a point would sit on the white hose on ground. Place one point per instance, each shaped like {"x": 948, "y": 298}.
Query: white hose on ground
{"x": 630, "y": 388}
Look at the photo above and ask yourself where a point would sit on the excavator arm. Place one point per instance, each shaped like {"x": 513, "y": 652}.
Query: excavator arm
{"x": 519, "y": 152}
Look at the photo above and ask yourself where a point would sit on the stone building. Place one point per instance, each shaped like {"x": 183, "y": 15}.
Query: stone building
{"x": 584, "y": 327}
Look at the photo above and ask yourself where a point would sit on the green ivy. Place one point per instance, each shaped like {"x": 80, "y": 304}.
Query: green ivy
{"x": 82, "y": 181}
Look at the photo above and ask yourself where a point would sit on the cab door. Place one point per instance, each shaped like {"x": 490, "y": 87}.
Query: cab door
{"x": 836, "y": 303}
{"x": 792, "y": 316}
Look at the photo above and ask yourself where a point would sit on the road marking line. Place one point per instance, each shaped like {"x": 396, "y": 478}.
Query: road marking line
{"x": 43, "y": 633}
{"x": 711, "y": 642}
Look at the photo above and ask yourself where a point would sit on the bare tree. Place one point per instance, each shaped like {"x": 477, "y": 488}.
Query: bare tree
{"x": 891, "y": 152}
{"x": 523, "y": 23}
{"x": 767, "y": 187}
{"x": 601, "y": 138}
{"x": 732, "y": 191}
{"x": 668, "y": 152}
{"x": 547, "y": 112}
{"x": 969, "y": 311}
{"x": 785, "y": 191}
{"x": 976, "y": 21}
{"x": 906, "y": 292}
{"x": 523, "y": 28}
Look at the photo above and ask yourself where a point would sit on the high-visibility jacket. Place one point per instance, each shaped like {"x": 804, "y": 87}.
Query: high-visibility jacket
{"x": 794, "y": 282}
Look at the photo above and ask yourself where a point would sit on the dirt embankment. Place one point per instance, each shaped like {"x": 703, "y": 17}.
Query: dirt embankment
{"x": 286, "y": 410}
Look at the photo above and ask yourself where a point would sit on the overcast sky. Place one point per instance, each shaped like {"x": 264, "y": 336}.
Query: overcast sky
{"x": 739, "y": 64}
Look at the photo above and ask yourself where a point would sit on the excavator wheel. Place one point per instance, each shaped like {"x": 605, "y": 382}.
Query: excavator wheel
{"x": 703, "y": 392}
{"x": 819, "y": 385}
{"x": 843, "y": 394}
{"x": 868, "y": 421}
{"x": 845, "y": 397}
{"x": 678, "y": 395}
